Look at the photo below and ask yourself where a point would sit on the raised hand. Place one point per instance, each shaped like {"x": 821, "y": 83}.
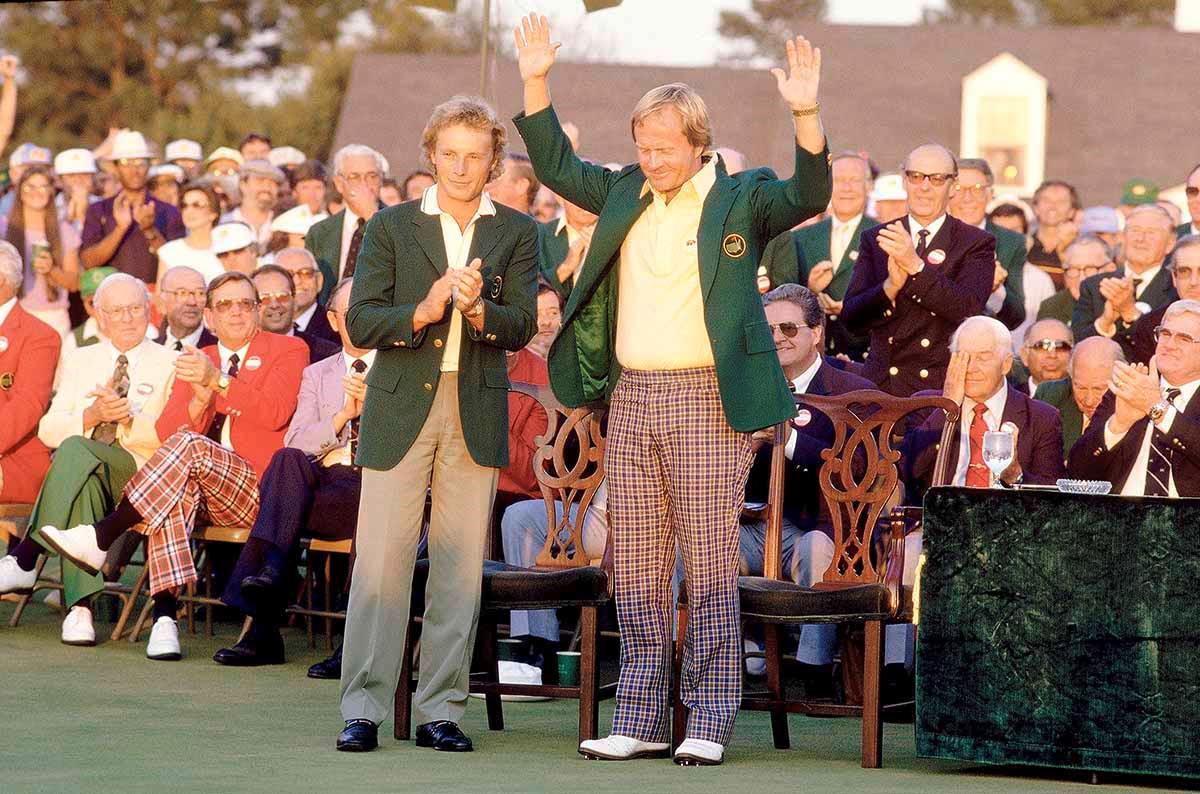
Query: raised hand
{"x": 535, "y": 53}
{"x": 8, "y": 67}
{"x": 799, "y": 84}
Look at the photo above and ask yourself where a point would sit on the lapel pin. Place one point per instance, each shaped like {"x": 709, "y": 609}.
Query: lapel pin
{"x": 734, "y": 246}
{"x": 803, "y": 417}
{"x": 3, "y": 343}
{"x": 936, "y": 256}
{"x": 145, "y": 388}
{"x": 6, "y": 381}
{"x": 853, "y": 256}
{"x": 497, "y": 284}
{"x": 253, "y": 363}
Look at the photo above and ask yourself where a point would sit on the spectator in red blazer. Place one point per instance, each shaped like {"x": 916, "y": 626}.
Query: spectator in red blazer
{"x": 226, "y": 417}
{"x": 28, "y": 355}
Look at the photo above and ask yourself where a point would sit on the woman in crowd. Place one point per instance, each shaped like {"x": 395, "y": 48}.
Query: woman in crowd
{"x": 50, "y": 248}
{"x": 201, "y": 208}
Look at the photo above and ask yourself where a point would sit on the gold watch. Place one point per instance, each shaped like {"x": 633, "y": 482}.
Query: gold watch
{"x": 475, "y": 310}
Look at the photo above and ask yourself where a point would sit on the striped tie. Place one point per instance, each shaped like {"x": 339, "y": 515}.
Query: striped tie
{"x": 1158, "y": 467}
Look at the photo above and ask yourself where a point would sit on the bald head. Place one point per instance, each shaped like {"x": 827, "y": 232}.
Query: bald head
{"x": 934, "y": 155}
{"x": 1090, "y": 369}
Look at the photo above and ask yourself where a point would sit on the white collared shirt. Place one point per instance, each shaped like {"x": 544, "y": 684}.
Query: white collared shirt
{"x": 305, "y": 317}
{"x": 341, "y": 455}
{"x": 573, "y": 234}
{"x": 993, "y": 416}
{"x": 349, "y": 225}
{"x": 933, "y": 228}
{"x": 225, "y": 354}
{"x": 190, "y": 340}
{"x": 458, "y": 248}
{"x": 6, "y": 307}
{"x": 841, "y": 237}
{"x": 1144, "y": 278}
{"x": 1135, "y": 483}
{"x": 800, "y": 385}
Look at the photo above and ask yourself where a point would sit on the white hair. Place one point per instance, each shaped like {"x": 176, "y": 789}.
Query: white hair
{"x": 113, "y": 279}
{"x": 177, "y": 269}
{"x": 1182, "y": 307}
{"x": 12, "y": 269}
{"x": 1000, "y": 334}
{"x": 300, "y": 252}
{"x": 358, "y": 150}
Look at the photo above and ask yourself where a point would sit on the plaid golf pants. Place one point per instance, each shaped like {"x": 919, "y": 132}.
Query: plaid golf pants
{"x": 676, "y": 473}
{"x": 189, "y": 472}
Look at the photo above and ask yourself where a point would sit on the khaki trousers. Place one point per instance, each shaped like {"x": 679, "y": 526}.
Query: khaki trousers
{"x": 389, "y": 527}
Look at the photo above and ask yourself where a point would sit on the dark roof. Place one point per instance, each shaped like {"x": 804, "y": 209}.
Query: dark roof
{"x": 1122, "y": 101}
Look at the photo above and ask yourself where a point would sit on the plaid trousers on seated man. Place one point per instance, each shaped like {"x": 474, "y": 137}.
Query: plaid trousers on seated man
{"x": 187, "y": 474}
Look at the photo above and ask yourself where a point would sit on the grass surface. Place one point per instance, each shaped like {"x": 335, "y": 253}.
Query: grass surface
{"x": 106, "y": 719}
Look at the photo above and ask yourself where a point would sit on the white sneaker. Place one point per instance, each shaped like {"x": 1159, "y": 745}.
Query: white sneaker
{"x": 78, "y": 545}
{"x": 77, "y": 628}
{"x": 698, "y": 752}
{"x": 164, "y": 641}
{"x": 622, "y": 748}
{"x": 755, "y": 665}
{"x": 13, "y": 579}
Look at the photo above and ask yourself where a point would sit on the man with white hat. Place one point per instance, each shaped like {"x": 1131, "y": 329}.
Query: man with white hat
{"x": 164, "y": 182}
{"x": 76, "y": 169}
{"x": 236, "y": 247}
{"x": 889, "y": 201}
{"x": 127, "y": 230}
{"x": 22, "y": 157}
{"x": 286, "y": 157}
{"x": 258, "y": 183}
{"x": 186, "y": 154}
{"x": 222, "y": 166}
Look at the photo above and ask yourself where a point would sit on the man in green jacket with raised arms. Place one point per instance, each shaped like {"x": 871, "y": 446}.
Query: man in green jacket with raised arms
{"x": 666, "y": 301}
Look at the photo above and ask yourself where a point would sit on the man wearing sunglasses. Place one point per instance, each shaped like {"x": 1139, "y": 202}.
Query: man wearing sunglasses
{"x": 1078, "y": 395}
{"x": 1145, "y": 436}
{"x": 311, "y": 316}
{"x": 225, "y": 418}
{"x": 126, "y": 231}
{"x": 1184, "y": 267}
{"x": 1109, "y": 304}
{"x": 277, "y": 311}
{"x": 917, "y": 278}
{"x": 1044, "y": 354}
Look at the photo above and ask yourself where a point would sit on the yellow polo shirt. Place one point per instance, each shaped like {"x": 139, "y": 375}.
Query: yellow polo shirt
{"x": 660, "y": 316}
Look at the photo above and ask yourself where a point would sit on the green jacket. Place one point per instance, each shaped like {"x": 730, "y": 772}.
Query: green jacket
{"x": 324, "y": 242}
{"x": 740, "y": 215}
{"x": 552, "y": 250}
{"x": 1011, "y": 250}
{"x": 1058, "y": 393}
{"x": 1059, "y": 306}
{"x": 402, "y": 255}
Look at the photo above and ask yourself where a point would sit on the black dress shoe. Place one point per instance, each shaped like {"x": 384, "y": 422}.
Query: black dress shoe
{"x": 358, "y": 736}
{"x": 330, "y": 668}
{"x": 252, "y": 651}
{"x": 443, "y": 735}
{"x": 262, "y": 585}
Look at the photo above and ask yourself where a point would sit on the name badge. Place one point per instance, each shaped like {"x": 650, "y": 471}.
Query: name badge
{"x": 145, "y": 388}
{"x": 803, "y": 417}
{"x": 3, "y": 343}
{"x": 253, "y": 363}
{"x": 936, "y": 256}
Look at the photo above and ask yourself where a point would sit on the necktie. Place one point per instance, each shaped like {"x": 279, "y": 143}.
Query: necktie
{"x": 922, "y": 243}
{"x": 218, "y": 422}
{"x": 837, "y": 251}
{"x": 355, "y": 244}
{"x": 106, "y": 432}
{"x": 178, "y": 346}
{"x": 978, "y": 475}
{"x": 360, "y": 367}
{"x": 1137, "y": 282}
{"x": 1158, "y": 467}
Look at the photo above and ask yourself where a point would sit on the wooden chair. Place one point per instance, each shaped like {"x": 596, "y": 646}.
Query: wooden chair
{"x": 857, "y": 479}
{"x": 569, "y": 464}
{"x": 326, "y": 550}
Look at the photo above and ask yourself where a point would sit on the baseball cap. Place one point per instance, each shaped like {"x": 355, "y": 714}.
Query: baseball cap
{"x": 1139, "y": 191}
{"x": 29, "y": 154}
{"x": 74, "y": 161}
{"x": 167, "y": 169}
{"x": 224, "y": 153}
{"x": 89, "y": 280}
{"x": 233, "y": 236}
{"x": 183, "y": 149}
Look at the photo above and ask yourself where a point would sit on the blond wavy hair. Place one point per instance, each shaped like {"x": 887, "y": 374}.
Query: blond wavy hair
{"x": 696, "y": 125}
{"x": 468, "y": 111}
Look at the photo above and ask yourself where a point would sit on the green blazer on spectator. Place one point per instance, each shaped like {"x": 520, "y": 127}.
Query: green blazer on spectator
{"x": 324, "y": 242}
{"x": 1183, "y": 230}
{"x": 740, "y": 215}
{"x": 1011, "y": 250}
{"x": 552, "y": 250}
{"x": 402, "y": 255}
{"x": 1058, "y": 393}
{"x": 1059, "y": 306}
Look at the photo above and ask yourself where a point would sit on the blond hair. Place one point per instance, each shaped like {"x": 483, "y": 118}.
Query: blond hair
{"x": 468, "y": 111}
{"x": 684, "y": 99}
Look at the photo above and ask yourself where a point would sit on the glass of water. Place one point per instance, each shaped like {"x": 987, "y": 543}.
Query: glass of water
{"x": 997, "y": 452}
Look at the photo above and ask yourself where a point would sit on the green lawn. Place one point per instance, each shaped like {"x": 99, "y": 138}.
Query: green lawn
{"x": 106, "y": 719}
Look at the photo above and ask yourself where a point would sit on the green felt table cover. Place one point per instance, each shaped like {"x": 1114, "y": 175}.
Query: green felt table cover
{"x": 1060, "y": 630}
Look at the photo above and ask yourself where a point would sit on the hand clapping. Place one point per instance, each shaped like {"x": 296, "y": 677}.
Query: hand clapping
{"x": 1137, "y": 391}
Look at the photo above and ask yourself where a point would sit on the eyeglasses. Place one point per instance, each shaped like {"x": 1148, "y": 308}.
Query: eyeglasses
{"x": 279, "y": 298}
{"x": 228, "y": 304}
{"x": 788, "y": 329}
{"x": 223, "y": 172}
{"x": 1049, "y": 345}
{"x": 135, "y": 311}
{"x": 370, "y": 177}
{"x": 133, "y": 162}
{"x": 1192, "y": 191}
{"x": 183, "y": 294}
{"x": 937, "y": 180}
{"x": 194, "y": 205}
{"x": 30, "y": 187}
{"x": 1075, "y": 271}
{"x": 1164, "y": 334}
{"x": 974, "y": 191}
{"x": 304, "y": 274}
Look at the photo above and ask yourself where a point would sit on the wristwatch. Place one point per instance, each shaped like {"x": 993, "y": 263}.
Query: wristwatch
{"x": 1158, "y": 410}
{"x": 475, "y": 310}
{"x": 223, "y": 381}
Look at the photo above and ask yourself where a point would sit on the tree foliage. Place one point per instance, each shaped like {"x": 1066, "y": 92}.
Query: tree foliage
{"x": 1061, "y": 12}
{"x": 168, "y": 67}
{"x": 768, "y": 23}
